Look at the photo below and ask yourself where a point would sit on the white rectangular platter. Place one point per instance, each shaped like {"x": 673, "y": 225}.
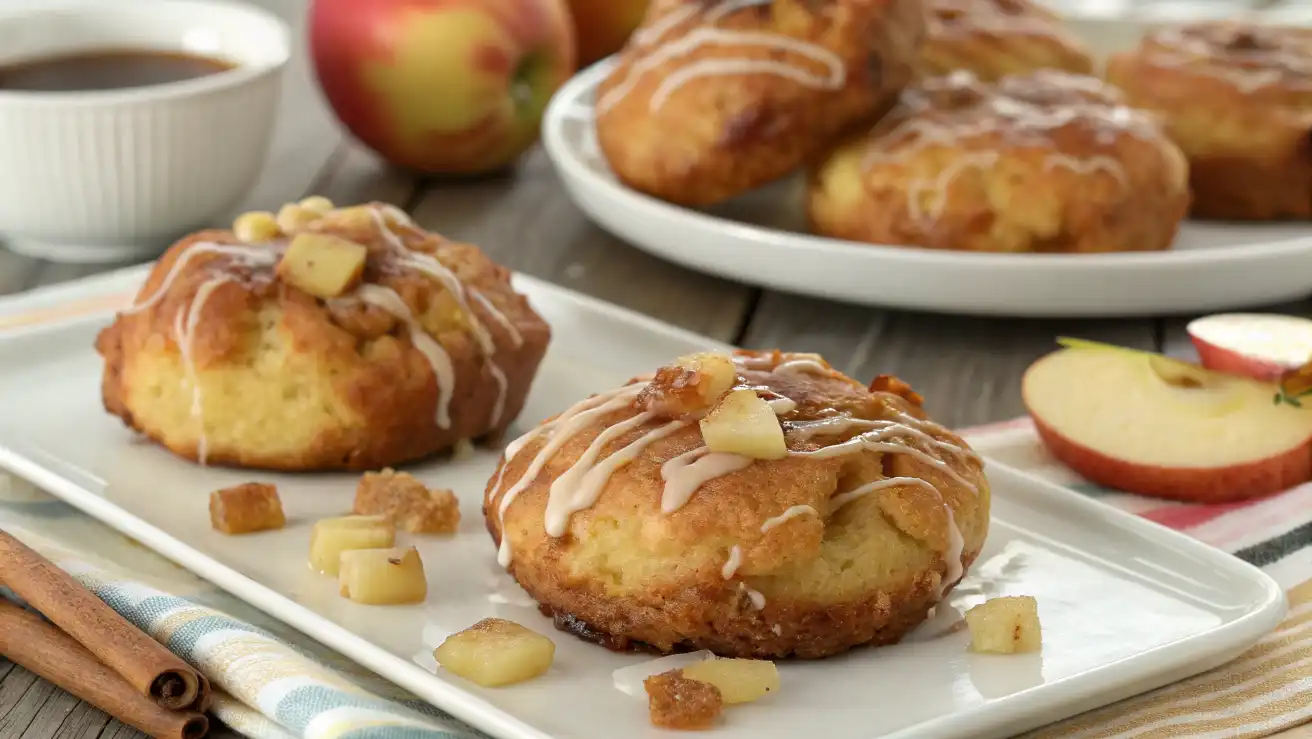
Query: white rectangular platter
{"x": 1126, "y": 605}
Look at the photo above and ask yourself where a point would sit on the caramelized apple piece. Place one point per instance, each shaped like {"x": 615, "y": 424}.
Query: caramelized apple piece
{"x": 690, "y": 385}
{"x": 743, "y": 423}
{"x": 245, "y": 508}
{"x": 407, "y": 502}
{"x": 676, "y": 702}
{"x": 322, "y": 265}
{"x": 1006, "y": 625}
{"x": 383, "y": 577}
{"x": 332, "y": 536}
{"x": 738, "y": 680}
{"x": 495, "y": 652}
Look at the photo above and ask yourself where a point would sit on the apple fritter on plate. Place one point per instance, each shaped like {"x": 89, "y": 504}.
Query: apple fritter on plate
{"x": 712, "y": 98}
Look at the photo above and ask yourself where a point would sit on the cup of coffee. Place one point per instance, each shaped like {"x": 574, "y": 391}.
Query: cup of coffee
{"x": 126, "y": 124}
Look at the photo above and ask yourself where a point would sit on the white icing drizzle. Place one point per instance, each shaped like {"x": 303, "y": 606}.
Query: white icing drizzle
{"x": 245, "y": 255}
{"x": 184, "y": 332}
{"x": 962, "y": 18}
{"x": 516, "y": 338}
{"x": 431, "y": 266}
{"x": 733, "y": 563}
{"x": 791, "y": 513}
{"x": 1022, "y": 110}
{"x": 782, "y": 406}
{"x": 951, "y": 557}
{"x": 1277, "y": 56}
{"x": 757, "y": 599}
{"x": 569, "y": 424}
{"x": 438, "y": 359}
{"x": 686, "y": 473}
{"x": 873, "y": 441}
{"x": 659, "y": 48}
{"x": 802, "y": 367}
{"x": 842, "y": 499}
{"x": 906, "y": 425}
{"x": 579, "y": 487}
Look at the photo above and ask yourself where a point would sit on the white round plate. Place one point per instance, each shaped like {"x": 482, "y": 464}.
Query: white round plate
{"x": 760, "y": 238}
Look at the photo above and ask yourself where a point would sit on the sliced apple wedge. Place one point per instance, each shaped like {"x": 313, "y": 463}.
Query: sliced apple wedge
{"x": 744, "y": 423}
{"x": 1258, "y": 345}
{"x": 1152, "y": 425}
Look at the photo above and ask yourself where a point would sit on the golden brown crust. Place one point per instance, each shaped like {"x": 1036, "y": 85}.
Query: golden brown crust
{"x": 992, "y": 38}
{"x": 1237, "y": 99}
{"x": 1041, "y": 162}
{"x": 288, "y": 381}
{"x": 698, "y": 110}
{"x": 859, "y": 569}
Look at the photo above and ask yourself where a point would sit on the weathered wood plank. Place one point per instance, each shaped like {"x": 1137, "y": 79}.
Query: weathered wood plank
{"x": 525, "y": 221}
{"x": 85, "y": 721}
{"x": 354, "y": 175}
{"x": 22, "y": 695}
{"x": 968, "y": 369}
{"x": 56, "y": 710}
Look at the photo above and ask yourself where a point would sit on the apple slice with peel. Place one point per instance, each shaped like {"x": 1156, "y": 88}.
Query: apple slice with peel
{"x": 1258, "y": 345}
{"x": 1148, "y": 424}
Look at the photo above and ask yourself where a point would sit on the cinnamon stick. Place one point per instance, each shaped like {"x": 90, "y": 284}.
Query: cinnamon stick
{"x": 141, "y": 661}
{"x": 50, "y": 653}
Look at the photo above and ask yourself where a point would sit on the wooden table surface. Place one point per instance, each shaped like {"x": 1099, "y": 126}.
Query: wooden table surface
{"x": 968, "y": 368}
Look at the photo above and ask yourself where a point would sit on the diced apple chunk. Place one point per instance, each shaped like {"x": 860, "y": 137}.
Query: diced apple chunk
{"x": 323, "y": 265}
{"x": 1006, "y": 625}
{"x": 293, "y": 218}
{"x": 317, "y": 203}
{"x": 739, "y": 680}
{"x": 246, "y": 508}
{"x": 332, "y": 536}
{"x": 496, "y": 652}
{"x": 676, "y": 702}
{"x": 716, "y": 374}
{"x": 383, "y": 577}
{"x": 256, "y": 227}
{"x": 744, "y": 423}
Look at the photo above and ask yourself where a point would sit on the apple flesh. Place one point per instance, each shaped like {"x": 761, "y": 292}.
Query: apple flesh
{"x": 1257, "y": 345}
{"x": 602, "y": 27}
{"x": 442, "y": 86}
{"x": 1156, "y": 426}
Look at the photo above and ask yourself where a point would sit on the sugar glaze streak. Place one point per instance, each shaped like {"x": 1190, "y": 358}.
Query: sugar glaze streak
{"x": 658, "y": 48}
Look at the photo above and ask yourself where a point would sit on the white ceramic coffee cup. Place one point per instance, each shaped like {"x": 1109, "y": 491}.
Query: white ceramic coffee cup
{"x": 103, "y": 176}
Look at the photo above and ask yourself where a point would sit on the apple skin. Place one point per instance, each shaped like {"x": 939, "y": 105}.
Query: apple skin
{"x": 442, "y": 86}
{"x": 1227, "y": 360}
{"x": 1116, "y": 417}
{"x": 603, "y": 26}
{"x": 1212, "y": 485}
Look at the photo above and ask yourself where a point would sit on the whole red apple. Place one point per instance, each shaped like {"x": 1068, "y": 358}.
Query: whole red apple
{"x": 603, "y": 26}
{"x": 442, "y": 86}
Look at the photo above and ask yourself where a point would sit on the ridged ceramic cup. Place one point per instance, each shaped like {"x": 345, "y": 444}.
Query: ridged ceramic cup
{"x": 110, "y": 175}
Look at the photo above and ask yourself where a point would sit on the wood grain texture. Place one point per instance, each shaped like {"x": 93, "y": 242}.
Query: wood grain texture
{"x": 525, "y": 221}
{"x": 968, "y": 369}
